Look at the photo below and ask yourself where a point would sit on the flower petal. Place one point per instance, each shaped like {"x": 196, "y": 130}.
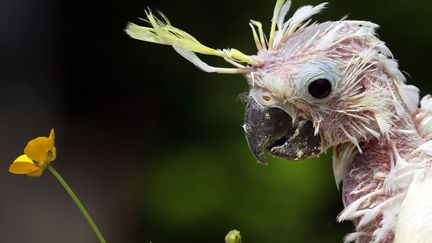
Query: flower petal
{"x": 41, "y": 149}
{"x": 23, "y": 165}
{"x": 36, "y": 173}
{"x": 37, "y": 149}
{"x": 51, "y": 137}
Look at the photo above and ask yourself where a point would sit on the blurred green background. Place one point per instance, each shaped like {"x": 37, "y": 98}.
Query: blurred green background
{"x": 153, "y": 146}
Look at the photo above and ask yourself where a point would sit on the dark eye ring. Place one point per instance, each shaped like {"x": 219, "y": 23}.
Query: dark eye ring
{"x": 320, "y": 88}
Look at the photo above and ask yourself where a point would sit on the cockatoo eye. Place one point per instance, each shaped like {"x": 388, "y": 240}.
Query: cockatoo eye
{"x": 320, "y": 88}
{"x": 317, "y": 81}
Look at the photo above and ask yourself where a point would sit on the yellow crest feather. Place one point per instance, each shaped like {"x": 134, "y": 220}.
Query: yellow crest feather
{"x": 162, "y": 32}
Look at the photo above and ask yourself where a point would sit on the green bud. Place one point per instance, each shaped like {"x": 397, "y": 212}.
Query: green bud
{"x": 233, "y": 237}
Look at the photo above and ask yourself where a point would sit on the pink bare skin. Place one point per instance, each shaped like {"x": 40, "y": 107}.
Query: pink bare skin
{"x": 367, "y": 172}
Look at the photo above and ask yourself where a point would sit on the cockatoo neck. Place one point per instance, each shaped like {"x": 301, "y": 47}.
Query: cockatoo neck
{"x": 376, "y": 181}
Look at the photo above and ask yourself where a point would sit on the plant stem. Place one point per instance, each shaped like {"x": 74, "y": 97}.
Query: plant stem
{"x": 77, "y": 202}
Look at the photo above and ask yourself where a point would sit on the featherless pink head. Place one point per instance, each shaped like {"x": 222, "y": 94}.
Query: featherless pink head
{"x": 309, "y": 75}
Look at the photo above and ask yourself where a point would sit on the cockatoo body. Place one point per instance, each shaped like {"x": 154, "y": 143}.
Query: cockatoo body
{"x": 334, "y": 84}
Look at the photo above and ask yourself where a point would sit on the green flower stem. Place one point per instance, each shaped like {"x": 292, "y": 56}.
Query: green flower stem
{"x": 77, "y": 202}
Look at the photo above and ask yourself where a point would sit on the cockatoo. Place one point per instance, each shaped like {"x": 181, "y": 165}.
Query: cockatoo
{"x": 334, "y": 84}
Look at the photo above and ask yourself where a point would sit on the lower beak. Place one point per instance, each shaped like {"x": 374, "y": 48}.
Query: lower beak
{"x": 271, "y": 128}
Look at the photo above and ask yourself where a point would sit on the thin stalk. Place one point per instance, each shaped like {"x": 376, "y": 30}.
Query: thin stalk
{"x": 77, "y": 202}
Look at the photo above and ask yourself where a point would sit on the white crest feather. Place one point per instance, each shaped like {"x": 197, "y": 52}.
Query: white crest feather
{"x": 282, "y": 14}
{"x": 303, "y": 14}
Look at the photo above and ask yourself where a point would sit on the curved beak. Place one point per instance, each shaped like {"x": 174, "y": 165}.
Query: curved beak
{"x": 271, "y": 128}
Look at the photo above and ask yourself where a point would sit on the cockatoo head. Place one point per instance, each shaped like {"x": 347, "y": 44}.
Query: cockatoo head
{"x": 312, "y": 85}
{"x": 321, "y": 85}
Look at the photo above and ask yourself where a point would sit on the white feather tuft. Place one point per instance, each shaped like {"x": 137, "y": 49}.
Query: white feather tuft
{"x": 194, "y": 59}
{"x": 383, "y": 121}
{"x": 353, "y": 140}
{"x": 410, "y": 96}
{"x": 302, "y": 14}
{"x": 415, "y": 214}
{"x": 426, "y": 147}
{"x": 351, "y": 212}
{"x": 282, "y": 14}
{"x": 374, "y": 133}
{"x": 423, "y": 118}
{"x": 388, "y": 222}
{"x": 354, "y": 237}
{"x": 342, "y": 156}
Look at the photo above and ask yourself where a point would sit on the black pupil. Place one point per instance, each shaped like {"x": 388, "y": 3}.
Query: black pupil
{"x": 320, "y": 88}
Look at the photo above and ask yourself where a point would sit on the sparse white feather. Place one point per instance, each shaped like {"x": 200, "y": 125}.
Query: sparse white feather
{"x": 415, "y": 215}
{"x": 370, "y": 214}
{"x": 383, "y": 122}
{"x": 282, "y": 14}
{"x": 350, "y": 212}
{"x": 388, "y": 222}
{"x": 423, "y": 118}
{"x": 398, "y": 106}
{"x": 302, "y": 14}
{"x": 426, "y": 147}
{"x": 373, "y": 132}
{"x": 353, "y": 236}
{"x": 352, "y": 139}
{"x": 194, "y": 59}
{"x": 342, "y": 156}
{"x": 426, "y": 102}
{"x": 410, "y": 96}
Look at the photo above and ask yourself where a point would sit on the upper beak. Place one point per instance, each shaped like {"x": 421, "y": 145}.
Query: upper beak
{"x": 272, "y": 128}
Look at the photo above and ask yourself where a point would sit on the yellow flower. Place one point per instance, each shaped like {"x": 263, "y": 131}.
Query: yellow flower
{"x": 38, "y": 154}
